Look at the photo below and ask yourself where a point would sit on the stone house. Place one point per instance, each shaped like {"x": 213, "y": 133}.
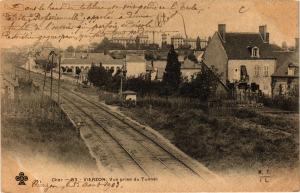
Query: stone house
{"x": 85, "y": 60}
{"x": 189, "y": 69}
{"x": 285, "y": 80}
{"x": 135, "y": 65}
{"x": 242, "y": 58}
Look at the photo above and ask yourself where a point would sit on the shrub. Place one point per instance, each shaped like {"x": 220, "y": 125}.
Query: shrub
{"x": 282, "y": 102}
{"x": 244, "y": 113}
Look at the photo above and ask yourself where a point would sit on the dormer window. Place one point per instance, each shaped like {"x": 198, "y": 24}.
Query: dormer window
{"x": 292, "y": 69}
{"x": 255, "y": 52}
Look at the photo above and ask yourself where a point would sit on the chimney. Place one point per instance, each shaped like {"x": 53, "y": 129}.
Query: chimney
{"x": 267, "y": 37}
{"x": 222, "y": 31}
{"x": 297, "y": 44}
{"x": 263, "y": 32}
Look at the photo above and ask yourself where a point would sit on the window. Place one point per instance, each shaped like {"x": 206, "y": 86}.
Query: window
{"x": 256, "y": 71}
{"x": 112, "y": 69}
{"x": 243, "y": 74}
{"x": 255, "y": 52}
{"x": 266, "y": 71}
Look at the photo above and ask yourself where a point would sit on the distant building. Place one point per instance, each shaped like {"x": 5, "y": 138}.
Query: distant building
{"x": 189, "y": 69}
{"x": 285, "y": 80}
{"x": 190, "y": 42}
{"x": 135, "y": 65}
{"x": 123, "y": 40}
{"x": 177, "y": 41}
{"x": 143, "y": 39}
{"x": 157, "y": 68}
{"x": 164, "y": 40}
{"x": 84, "y": 61}
{"x": 203, "y": 43}
{"x": 242, "y": 57}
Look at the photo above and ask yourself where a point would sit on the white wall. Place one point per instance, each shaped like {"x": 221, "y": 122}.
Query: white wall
{"x": 263, "y": 81}
{"x": 135, "y": 68}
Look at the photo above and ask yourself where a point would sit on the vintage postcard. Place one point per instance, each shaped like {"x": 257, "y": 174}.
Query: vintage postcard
{"x": 149, "y": 96}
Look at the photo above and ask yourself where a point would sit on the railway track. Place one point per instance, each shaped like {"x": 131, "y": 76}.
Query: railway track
{"x": 146, "y": 155}
{"x": 132, "y": 141}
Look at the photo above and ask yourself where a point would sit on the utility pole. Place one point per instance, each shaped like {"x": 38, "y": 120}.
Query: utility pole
{"x": 15, "y": 71}
{"x": 123, "y": 72}
{"x": 150, "y": 90}
{"x": 52, "y": 53}
{"x": 153, "y": 36}
{"x": 44, "y": 84}
{"x": 29, "y": 70}
{"x": 59, "y": 60}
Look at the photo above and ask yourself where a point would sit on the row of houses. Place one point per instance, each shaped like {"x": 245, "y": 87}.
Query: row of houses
{"x": 177, "y": 40}
{"x": 134, "y": 64}
{"x": 242, "y": 58}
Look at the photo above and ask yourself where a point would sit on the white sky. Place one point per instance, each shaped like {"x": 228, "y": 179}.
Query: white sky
{"x": 280, "y": 16}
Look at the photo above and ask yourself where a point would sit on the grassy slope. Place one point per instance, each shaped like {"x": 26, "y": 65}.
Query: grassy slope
{"x": 245, "y": 139}
{"x": 35, "y": 134}
{"x": 230, "y": 142}
{"x": 59, "y": 143}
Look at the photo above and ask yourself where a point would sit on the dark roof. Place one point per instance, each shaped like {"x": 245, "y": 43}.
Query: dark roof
{"x": 42, "y": 61}
{"x": 128, "y": 92}
{"x": 135, "y": 58}
{"x": 237, "y": 46}
{"x": 89, "y": 58}
{"x": 284, "y": 60}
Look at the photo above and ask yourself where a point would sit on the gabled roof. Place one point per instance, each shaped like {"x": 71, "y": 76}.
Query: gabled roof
{"x": 135, "y": 58}
{"x": 89, "y": 58}
{"x": 237, "y": 46}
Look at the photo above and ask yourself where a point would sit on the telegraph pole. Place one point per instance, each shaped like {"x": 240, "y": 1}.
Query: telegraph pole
{"x": 59, "y": 60}
{"x": 150, "y": 89}
{"x": 29, "y": 70}
{"x": 52, "y": 53}
{"x": 123, "y": 72}
{"x": 44, "y": 84}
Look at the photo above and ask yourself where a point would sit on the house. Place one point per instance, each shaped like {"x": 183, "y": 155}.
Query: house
{"x": 159, "y": 69}
{"x": 177, "y": 41}
{"x": 285, "y": 80}
{"x": 85, "y": 60}
{"x": 203, "y": 43}
{"x": 190, "y": 42}
{"x": 189, "y": 69}
{"x": 164, "y": 39}
{"x": 242, "y": 58}
{"x": 135, "y": 65}
{"x": 123, "y": 40}
{"x": 143, "y": 39}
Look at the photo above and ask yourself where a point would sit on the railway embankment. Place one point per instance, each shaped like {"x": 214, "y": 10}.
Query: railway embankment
{"x": 34, "y": 127}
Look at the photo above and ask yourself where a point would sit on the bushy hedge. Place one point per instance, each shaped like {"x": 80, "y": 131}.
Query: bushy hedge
{"x": 171, "y": 102}
{"x": 282, "y": 102}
